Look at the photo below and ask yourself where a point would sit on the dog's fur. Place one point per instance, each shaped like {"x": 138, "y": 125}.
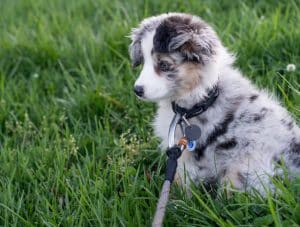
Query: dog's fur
{"x": 245, "y": 133}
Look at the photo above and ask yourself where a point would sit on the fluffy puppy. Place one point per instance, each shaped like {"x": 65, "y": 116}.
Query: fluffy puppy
{"x": 245, "y": 133}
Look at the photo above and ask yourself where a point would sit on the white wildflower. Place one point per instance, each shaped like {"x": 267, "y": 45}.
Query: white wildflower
{"x": 35, "y": 75}
{"x": 290, "y": 68}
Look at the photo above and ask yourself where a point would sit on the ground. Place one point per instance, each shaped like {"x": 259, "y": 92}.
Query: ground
{"x": 76, "y": 146}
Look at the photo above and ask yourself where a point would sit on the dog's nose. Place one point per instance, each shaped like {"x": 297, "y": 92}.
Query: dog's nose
{"x": 139, "y": 90}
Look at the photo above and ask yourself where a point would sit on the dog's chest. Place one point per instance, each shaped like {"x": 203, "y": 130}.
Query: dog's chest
{"x": 164, "y": 117}
{"x": 162, "y": 122}
{"x": 188, "y": 160}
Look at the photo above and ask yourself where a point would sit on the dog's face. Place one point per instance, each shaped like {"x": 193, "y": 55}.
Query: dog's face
{"x": 174, "y": 50}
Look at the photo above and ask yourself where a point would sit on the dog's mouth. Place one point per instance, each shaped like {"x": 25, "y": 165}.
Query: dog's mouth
{"x": 141, "y": 98}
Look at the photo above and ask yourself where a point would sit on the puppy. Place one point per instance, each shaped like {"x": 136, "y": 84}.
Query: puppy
{"x": 245, "y": 132}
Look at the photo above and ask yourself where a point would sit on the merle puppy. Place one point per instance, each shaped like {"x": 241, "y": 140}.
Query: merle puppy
{"x": 245, "y": 132}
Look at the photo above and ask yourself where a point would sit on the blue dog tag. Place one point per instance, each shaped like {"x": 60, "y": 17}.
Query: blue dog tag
{"x": 191, "y": 146}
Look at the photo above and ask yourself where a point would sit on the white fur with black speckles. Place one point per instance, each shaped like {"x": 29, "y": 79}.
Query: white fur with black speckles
{"x": 262, "y": 130}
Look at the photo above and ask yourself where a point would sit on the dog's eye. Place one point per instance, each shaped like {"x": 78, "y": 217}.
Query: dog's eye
{"x": 164, "y": 66}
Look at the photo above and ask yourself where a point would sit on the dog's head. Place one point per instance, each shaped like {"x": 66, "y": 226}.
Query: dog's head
{"x": 176, "y": 50}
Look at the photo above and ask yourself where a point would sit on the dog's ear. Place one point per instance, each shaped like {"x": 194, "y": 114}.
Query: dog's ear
{"x": 135, "y": 48}
{"x": 135, "y": 51}
{"x": 194, "y": 47}
{"x": 194, "y": 41}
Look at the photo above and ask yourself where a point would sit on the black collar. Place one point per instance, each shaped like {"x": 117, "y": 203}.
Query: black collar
{"x": 198, "y": 108}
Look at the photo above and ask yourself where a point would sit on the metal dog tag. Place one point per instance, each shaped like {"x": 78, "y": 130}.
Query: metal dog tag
{"x": 192, "y": 132}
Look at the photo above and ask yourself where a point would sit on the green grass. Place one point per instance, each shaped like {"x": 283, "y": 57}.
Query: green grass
{"x": 77, "y": 148}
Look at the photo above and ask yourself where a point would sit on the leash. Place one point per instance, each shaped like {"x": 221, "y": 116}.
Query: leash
{"x": 191, "y": 134}
{"x": 173, "y": 153}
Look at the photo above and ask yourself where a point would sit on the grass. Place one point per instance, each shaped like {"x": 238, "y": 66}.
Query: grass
{"x": 77, "y": 148}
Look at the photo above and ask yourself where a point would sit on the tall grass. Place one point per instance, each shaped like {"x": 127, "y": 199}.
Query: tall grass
{"x": 76, "y": 147}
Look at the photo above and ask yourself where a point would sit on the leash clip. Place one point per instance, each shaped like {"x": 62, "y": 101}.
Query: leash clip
{"x": 171, "y": 135}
